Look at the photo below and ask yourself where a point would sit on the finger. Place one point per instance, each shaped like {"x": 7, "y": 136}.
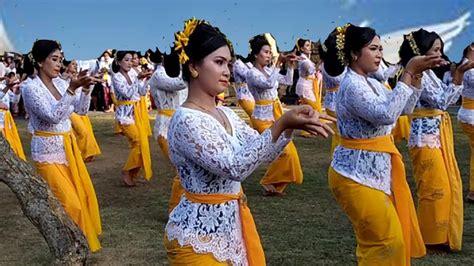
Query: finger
{"x": 319, "y": 130}
{"x": 327, "y": 117}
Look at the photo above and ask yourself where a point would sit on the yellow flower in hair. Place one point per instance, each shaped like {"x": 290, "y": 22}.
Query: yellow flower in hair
{"x": 181, "y": 40}
{"x": 190, "y": 26}
{"x": 183, "y": 57}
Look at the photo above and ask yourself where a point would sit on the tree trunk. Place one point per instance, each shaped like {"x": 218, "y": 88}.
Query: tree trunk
{"x": 64, "y": 238}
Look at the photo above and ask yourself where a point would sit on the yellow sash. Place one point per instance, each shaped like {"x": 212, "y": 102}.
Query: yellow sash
{"x": 83, "y": 185}
{"x": 333, "y": 89}
{"x": 331, "y": 113}
{"x": 467, "y": 103}
{"x": 144, "y": 115}
{"x": 143, "y": 134}
{"x": 11, "y": 134}
{"x": 403, "y": 200}
{"x": 255, "y": 254}
{"x": 277, "y": 108}
{"x": 317, "y": 92}
{"x": 447, "y": 149}
{"x": 166, "y": 112}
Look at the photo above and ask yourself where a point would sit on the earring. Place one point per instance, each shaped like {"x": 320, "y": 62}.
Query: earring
{"x": 194, "y": 73}
{"x": 355, "y": 58}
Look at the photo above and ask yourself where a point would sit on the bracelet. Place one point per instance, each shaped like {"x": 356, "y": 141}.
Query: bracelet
{"x": 414, "y": 77}
{"x": 86, "y": 91}
{"x": 70, "y": 92}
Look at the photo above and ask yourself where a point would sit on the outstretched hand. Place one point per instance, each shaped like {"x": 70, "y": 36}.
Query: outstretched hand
{"x": 305, "y": 118}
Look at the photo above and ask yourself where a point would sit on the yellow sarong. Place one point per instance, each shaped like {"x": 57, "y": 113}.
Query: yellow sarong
{"x": 414, "y": 246}
{"x": 186, "y": 256}
{"x": 86, "y": 141}
{"x": 255, "y": 254}
{"x": 248, "y": 106}
{"x": 286, "y": 168}
{"x": 144, "y": 150}
{"x": 468, "y": 129}
{"x": 439, "y": 186}
{"x": 77, "y": 184}
{"x": 10, "y": 132}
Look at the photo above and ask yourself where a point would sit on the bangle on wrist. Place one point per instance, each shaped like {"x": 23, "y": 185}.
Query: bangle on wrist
{"x": 70, "y": 92}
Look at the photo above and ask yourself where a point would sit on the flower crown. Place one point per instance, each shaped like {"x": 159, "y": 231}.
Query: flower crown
{"x": 412, "y": 42}
{"x": 182, "y": 38}
{"x": 297, "y": 46}
{"x": 340, "y": 43}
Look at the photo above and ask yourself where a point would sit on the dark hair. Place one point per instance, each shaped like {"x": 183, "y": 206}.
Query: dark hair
{"x": 156, "y": 56}
{"x": 328, "y": 54}
{"x": 204, "y": 40}
{"x": 465, "y": 52}
{"x": 28, "y": 67}
{"x": 424, "y": 40}
{"x": 42, "y": 49}
{"x": 171, "y": 63}
{"x": 299, "y": 44}
{"x": 356, "y": 39}
{"x": 119, "y": 57}
{"x": 11, "y": 74}
{"x": 256, "y": 44}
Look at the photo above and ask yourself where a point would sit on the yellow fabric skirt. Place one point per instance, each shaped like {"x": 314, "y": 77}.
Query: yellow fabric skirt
{"x": 434, "y": 195}
{"x": 85, "y": 136}
{"x": 176, "y": 189}
{"x": 185, "y": 255}
{"x": 402, "y": 129}
{"x": 10, "y": 133}
{"x": 375, "y": 221}
{"x": 469, "y": 131}
{"x": 286, "y": 168}
{"x": 134, "y": 156}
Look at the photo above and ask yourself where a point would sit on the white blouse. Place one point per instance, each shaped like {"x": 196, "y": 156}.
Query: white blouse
{"x": 366, "y": 109}
{"x": 330, "y": 82}
{"x": 48, "y": 114}
{"x": 304, "y": 87}
{"x": 127, "y": 92}
{"x": 168, "y": 93}
{"x": 264, "y": 86}
{"x": 425, "y": 132}
{"x": 467, "y": 115}
{"x": 239, "y": 70}
{"x": 7, "y": 99}
{"x": 209, "y": 161}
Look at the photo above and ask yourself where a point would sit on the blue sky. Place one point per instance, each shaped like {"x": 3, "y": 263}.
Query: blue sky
{"x": 87, "y": 27}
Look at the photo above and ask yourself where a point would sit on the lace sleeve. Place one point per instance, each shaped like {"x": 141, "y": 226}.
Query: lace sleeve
{"x": 82, "y": 103}
{"x": 142, "y": 86}
{"x": 468, "y": 80}
{"x": 122, "y": 88}
{"x": 36, "y": 101}
{"x": 260, "y": 81}
{"x": 286, "y": 79}
{"x": 161, "y": 81}
{"x": 198, "y": 138}
{"x": 436, "y": 93}
{"x": 411, "y": 103}
{"x": 14, "y": 98}
{"x": 377, "y": 110}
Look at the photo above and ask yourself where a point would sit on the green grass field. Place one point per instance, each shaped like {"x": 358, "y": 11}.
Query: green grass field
{"x": 306, "y": 227}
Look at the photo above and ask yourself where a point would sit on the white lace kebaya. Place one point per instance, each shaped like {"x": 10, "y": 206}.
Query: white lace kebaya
{"x": 7, "y": 98}
{"x": 331, "y": 86}
{"x": 168, "y": 93}
{"x": 264, "y": 86}
{"x": 304, "y": 86}
{"x": 48, "y": 114}
{"x": 210, "y": 161}
{"x": 239, "y": 70}
{"x": 425, "y": 131}
{"x": 467, "y": 115}
{"x": 127, "y": 92}
{"x": 366, "y": 109}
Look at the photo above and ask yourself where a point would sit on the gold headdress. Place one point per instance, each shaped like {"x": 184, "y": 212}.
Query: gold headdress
{"x": 412, "y": 42}
{"x": 340, "y": 43}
